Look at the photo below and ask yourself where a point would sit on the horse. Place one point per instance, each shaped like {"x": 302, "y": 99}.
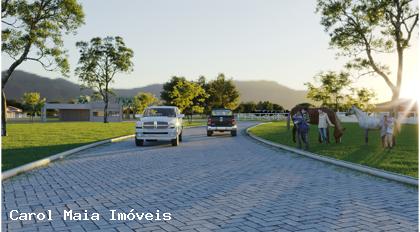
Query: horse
{"x": 313, "y": 119}
{"x": 366, "y": 122}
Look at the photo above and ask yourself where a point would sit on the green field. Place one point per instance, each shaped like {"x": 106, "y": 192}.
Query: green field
{"x": 401, "y": 159}
{"x": 27, "y": 142}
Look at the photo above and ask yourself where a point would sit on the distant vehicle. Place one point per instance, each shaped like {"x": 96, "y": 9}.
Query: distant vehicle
{"x": 159, "y": 123}
{"x": 221, "y": 120}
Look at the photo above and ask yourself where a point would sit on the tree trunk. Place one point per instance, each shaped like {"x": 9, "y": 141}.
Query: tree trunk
{"x": 3, "y": 114}
{"x": 4, "y": 80}
{"x": 106, "y": 111}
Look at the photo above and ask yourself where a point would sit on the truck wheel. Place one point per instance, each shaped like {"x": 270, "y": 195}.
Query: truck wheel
{"x": 175, "y": 142}
{"x": 139, "y": 142}
{"x": 233, "y": 133}
{"x": 209, "y": 133}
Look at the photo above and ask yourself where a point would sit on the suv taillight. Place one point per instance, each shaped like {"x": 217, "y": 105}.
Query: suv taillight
{"x": 233, "y": 121}
{"x": 209, "y": 122}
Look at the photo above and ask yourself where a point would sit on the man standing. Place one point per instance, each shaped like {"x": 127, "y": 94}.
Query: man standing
{"x": 301, "y": 122}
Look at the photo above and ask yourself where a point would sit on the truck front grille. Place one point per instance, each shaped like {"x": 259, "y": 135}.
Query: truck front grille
{"x": 153, "y": 125}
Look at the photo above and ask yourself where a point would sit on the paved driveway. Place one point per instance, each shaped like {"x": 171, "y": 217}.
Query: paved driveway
{"x": 218, "y": 183}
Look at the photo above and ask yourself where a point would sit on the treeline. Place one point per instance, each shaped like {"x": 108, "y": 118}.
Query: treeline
{"x": 191, "y": 97}
{"x": 200, "y": 96}
{"x": 261, "y": 106}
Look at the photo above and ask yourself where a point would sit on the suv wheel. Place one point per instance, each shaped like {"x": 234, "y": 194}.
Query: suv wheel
{"x": 233, "y": 133}
{"x": 175, "y": 142}
{"x": 209, "y": 133}
{"x": 139, "y": 142}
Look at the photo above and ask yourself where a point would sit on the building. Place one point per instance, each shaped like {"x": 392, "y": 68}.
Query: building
{"x": 13, "y": 112}
{"x": 90, "y": 112}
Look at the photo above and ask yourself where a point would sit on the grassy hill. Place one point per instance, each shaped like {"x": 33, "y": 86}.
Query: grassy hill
{"x": 63, "y": 90}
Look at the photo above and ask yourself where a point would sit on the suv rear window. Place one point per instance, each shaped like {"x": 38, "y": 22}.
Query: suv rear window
{"x": 165, "y": 112}
{"x": 221, "y": 113}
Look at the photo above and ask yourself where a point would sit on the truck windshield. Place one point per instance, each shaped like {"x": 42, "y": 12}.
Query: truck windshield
{"x": 221, "y": 113}
{"x": 165, "y": 112}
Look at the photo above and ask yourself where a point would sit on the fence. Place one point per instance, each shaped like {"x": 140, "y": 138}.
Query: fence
{"x": 262, "y": 116}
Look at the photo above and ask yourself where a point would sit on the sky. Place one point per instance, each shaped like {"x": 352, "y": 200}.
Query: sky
{"x": 274, "y": 40}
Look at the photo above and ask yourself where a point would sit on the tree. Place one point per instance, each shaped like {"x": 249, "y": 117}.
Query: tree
{"x": 246, "y": 107}
{"x": 222, "y": 93}
{"x": 127, "y": 104}
{"x": 362, "y": 98}
{"x": 265, "y": 105}
{"x": 33, "y": 103}
{"x": 330, "y": 92}
{"x": 363, "y": 30}
{"x": 143, "y": 100}
{"x": 100, "y": 59}
{"x": 184, "y": 94}
{"x": 277, "y": 107}
{"x": 32, "y": 31}
{"x": 83, "y": 99}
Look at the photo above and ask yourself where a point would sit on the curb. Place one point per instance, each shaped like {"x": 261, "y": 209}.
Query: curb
{"x": 357, "y": 167}
{"x": 42, "y": 162}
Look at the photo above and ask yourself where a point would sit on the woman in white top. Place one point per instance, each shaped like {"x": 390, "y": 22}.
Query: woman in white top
{"x": 323, "y": 123}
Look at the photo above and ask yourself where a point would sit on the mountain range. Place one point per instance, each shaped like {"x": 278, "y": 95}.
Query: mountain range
{"x": 62, "y": 90}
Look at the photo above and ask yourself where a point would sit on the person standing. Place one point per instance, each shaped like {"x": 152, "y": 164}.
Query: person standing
{"x": 301, "y": 121}
{"x": 389, "y": 132}
{"x": 323, "y": 123}
{"x": 383, "y": 129}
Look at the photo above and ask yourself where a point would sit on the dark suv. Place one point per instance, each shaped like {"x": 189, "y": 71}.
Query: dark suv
{"x": 221, "y": 120}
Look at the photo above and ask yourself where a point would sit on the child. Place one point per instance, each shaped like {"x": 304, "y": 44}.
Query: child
{"x": 389, "y": 123}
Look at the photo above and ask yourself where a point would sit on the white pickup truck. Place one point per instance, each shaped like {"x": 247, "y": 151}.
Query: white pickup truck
{"x": 159, "y": 123}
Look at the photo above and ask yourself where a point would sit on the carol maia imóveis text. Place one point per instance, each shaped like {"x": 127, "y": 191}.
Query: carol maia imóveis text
{"x": 132, "y": 215}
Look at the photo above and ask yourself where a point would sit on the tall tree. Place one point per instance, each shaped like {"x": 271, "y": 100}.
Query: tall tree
{"x": 184, "y": 94}
{"x": 364, "y": 29}
{"x": 264, "y": 105}
{"x": 143, "y": 100}
{"x": 330, "y": 91}
{"x": 33, "y": 103}
{"x": 246, "y": 107}
{"x": 32, "y": 31}
{"x": 222, "y": 93}
{"x": 100, "y": 59}
{"x": 362, "y": 98}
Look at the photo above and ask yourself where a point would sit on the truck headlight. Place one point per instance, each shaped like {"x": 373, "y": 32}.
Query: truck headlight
{"x": 173, "y": 124}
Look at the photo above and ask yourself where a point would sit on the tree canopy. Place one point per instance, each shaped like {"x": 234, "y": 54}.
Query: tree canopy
{"x": 184, "y": 94}
{"x": 363, "y": 30}
{"x": 33, "y": 31}
{"x": 222, "y": 93}
{"x": 143, "y": 100}
{"x": 33, "y": 103}
{"x": 334, "y": 90}
{"x": 100, "y": 60}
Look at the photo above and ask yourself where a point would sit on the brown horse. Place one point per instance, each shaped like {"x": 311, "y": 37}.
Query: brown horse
{"x": 313, "y": 119}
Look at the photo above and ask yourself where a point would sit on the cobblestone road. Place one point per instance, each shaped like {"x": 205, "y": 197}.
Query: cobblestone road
{"x": 218, "y": 183}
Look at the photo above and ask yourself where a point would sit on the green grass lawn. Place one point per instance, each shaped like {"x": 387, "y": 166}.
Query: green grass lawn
{"x": 27, "y": 142}
{"x": 401, "y": 159}
{"x": 194, "y": 123}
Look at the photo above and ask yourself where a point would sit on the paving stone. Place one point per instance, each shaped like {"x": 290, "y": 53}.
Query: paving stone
{"x": 218, "y": 183}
